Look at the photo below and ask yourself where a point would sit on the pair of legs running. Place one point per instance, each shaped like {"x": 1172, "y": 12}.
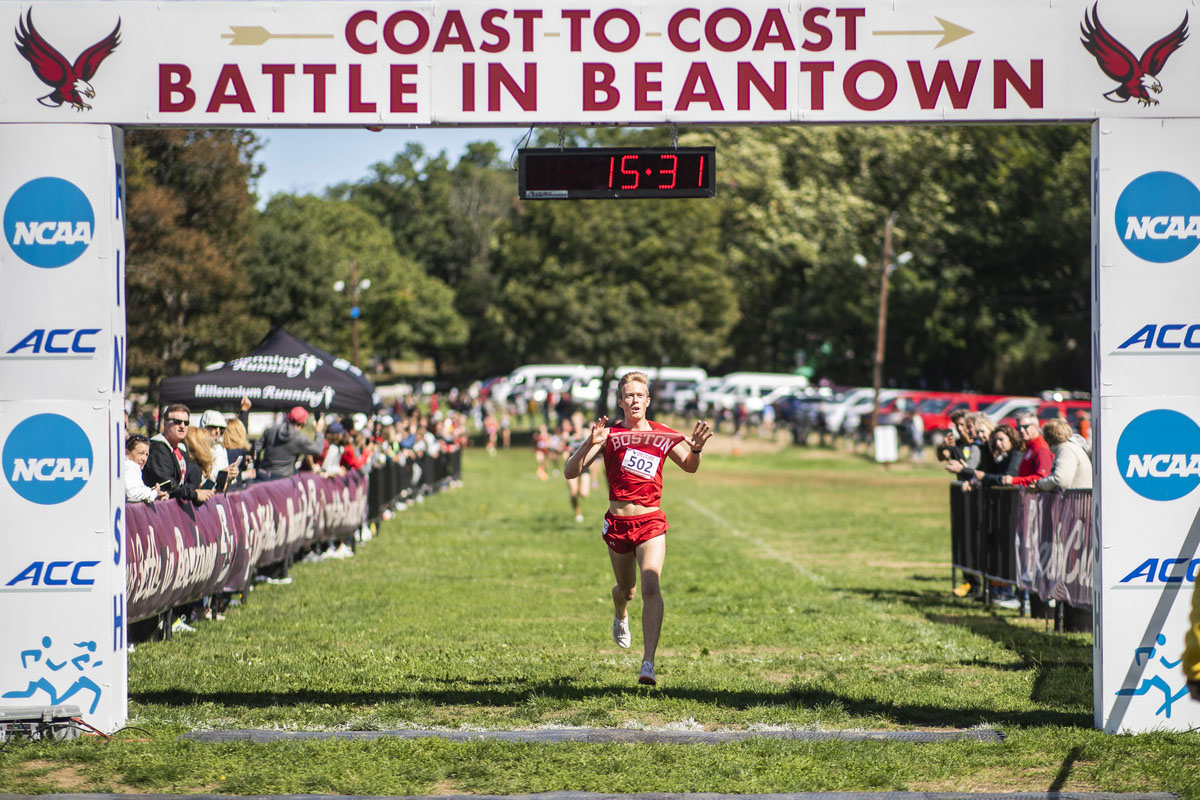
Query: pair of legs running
{"x": 647, "y": 558}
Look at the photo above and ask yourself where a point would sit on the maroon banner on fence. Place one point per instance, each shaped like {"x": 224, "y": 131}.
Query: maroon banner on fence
{"x": 178, "y": 552}
{"x": 1054, "y": 546}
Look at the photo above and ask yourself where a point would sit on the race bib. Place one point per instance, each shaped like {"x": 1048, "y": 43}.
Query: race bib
{"x": 639, "y": 463}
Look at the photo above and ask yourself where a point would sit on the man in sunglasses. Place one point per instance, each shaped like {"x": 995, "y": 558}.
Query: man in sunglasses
{"x": 1038, "y": 459}
{"x": 167, "y": 464}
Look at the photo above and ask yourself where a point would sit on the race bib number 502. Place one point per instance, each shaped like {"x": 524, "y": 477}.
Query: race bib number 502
{"x": 639, "y": 463}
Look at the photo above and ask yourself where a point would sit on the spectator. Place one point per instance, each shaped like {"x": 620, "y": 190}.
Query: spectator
{"x": 916, "y": 432}
{"x": 1006, "y": 449}
{"x": 213, "y": 423}
{"x": 1085, "y": 427}
{"x": 1037, "y": 460}
{"x": 1072, "y": 467}
{"x": 973, "y": 431}
{"x": 166, "y": 464}
{"x": 137, "y": 449}
{"x": 237, "y": 445}
{"x": 357, "y": 452}
{"x": 335, "y": 439}
{"x": 199, "y": 451}
{"x": 281, "y": 444}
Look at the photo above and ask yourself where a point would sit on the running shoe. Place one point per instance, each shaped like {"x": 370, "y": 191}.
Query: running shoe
{"x": 646, "y": 676}
{"x": 621, "y": 631}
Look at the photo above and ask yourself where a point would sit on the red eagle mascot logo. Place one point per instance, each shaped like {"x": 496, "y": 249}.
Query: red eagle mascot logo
{"x": 1137, "y": 77}
{"x": 70, "y": 82}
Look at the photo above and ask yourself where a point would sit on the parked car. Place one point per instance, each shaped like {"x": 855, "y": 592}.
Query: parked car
{"x": 935, "y": 411}
{"x": 1063, "y": 409}
{"x": 1004, "y": 411}
{"x": 748, "y": 389}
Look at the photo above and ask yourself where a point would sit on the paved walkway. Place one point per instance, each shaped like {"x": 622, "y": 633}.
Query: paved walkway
{"x": 602, "y": 735}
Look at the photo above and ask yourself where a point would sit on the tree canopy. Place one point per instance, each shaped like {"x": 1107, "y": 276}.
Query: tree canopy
{"x": 994, "y": 297}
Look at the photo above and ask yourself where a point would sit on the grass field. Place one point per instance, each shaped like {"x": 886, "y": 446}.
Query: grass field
{"x": 804, "y": 588}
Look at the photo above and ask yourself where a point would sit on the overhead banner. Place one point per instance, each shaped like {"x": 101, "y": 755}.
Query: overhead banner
{"x": 436, "y": 63}
{"x": 1146, "y": 392}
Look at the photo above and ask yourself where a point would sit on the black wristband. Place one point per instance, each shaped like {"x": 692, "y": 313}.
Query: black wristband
{"x": 697, "y": 452}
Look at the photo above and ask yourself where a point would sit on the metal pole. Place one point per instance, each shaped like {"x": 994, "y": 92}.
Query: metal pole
{"x": 354, "y": 307}
{"x": 881, "y": 331}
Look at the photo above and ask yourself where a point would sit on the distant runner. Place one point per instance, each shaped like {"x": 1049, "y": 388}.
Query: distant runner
{"x": 635, "y": 527}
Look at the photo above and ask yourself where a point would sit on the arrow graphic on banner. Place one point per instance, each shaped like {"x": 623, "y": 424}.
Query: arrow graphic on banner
{"x": 256, "y": 35}
{"x": 949, "y": 32}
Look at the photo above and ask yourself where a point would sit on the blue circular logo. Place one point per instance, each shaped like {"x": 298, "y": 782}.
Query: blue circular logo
{"x": 1158, "y": 217}
{"x": 47, "y": 459}
{"x": 48, "y": 222}
{"x": 1159, "y": 454}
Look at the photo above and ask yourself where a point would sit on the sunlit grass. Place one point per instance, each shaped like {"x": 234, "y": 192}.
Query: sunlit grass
{"x": 806, "y": 589}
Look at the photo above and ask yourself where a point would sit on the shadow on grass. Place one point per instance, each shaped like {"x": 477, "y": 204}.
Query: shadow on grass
{"x": 1062, "y": 666}
{"x": 519, "y": 693}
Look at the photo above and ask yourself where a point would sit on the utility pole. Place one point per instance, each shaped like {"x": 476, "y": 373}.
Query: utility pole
{"x": 881, "y": 330}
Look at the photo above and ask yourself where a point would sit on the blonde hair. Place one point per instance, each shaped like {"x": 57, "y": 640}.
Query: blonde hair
{"x": 1056, "y": 431}
{"x": 235, "y": 436}
{"x": 983, "y": 424}
{"x": 632, "y": 377}
{"x": 199, "y": 448}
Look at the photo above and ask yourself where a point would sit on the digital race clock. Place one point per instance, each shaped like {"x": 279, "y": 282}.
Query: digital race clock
{"x": 611, "y": 172}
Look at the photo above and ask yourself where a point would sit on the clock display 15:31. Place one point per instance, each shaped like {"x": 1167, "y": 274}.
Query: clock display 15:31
{"x": 574, "y": 173}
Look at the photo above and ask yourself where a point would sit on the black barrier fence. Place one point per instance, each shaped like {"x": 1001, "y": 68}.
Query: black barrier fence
{"x": 1040, "y": 543}
{"x": 179, "y": 554}
{"x": 393, "y": 483}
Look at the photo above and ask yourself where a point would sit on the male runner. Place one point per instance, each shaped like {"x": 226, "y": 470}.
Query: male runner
{"x": 635, "y": 527}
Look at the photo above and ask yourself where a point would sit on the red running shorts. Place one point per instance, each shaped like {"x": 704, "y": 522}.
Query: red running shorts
{"x": 624, "y": 534}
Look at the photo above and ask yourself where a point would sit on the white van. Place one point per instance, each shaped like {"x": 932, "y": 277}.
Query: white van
{"x": 521, "y": 380}
{"x": 665, "y": 383}
{"x": 686, "y": 400}
{"x": 749, "y": 389}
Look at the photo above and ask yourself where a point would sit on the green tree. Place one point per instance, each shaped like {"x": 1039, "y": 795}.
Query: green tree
{"x": 447, "y": 220}
{"x": 304, "y": 244}
{"x": 189, "y": 217}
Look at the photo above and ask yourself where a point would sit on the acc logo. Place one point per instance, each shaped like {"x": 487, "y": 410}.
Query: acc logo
{"x": 1158, "y": 217}
{"x": 47, "y": 459}
{"x": 42, "y": 344}
{"x": 48, "y": 222}
{"x": 1163, "y": 337}
{"x": 1159, "y": 455}
{"x": 60, "y": 574}
{"x": 1155, "y": 571}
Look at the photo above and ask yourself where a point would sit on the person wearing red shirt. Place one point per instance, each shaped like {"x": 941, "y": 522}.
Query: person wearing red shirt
{"x": 635, "y": 527}
{"x": 1038, "y": 459}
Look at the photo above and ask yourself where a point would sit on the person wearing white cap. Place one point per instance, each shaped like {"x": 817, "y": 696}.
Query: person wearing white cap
{"x": 213, "y": 422}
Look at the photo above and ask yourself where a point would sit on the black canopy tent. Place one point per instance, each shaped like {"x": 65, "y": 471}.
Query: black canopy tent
{"x": 282, "y": 372}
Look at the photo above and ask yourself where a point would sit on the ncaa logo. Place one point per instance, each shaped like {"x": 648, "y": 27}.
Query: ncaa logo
{"x": 1158, "y": 217}
{"x": 47, "y": 459}
{"x": 48, "y": 222}
{"x": 1159, "y": 454}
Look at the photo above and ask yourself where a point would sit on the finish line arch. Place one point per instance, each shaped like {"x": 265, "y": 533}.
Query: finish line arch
{"x": 76, "y": 73}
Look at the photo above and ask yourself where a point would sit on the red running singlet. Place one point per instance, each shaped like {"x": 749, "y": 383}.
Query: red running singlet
{"x": 634, "y": 460}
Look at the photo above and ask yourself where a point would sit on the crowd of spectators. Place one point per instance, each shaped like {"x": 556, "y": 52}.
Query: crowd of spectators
{"x": 1046, "y": 458}
{"x": 1038, "y": 458}
{"x": 193, "y": 462}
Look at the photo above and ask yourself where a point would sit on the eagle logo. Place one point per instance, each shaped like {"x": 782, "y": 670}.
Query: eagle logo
{"x": 69, "y": 81}
{"x": 1137, "y": 77}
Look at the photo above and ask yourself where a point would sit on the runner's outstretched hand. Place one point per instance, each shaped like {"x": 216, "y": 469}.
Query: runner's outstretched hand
{"x": 600, "y": 430}
{"x": 700, "y": 434}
